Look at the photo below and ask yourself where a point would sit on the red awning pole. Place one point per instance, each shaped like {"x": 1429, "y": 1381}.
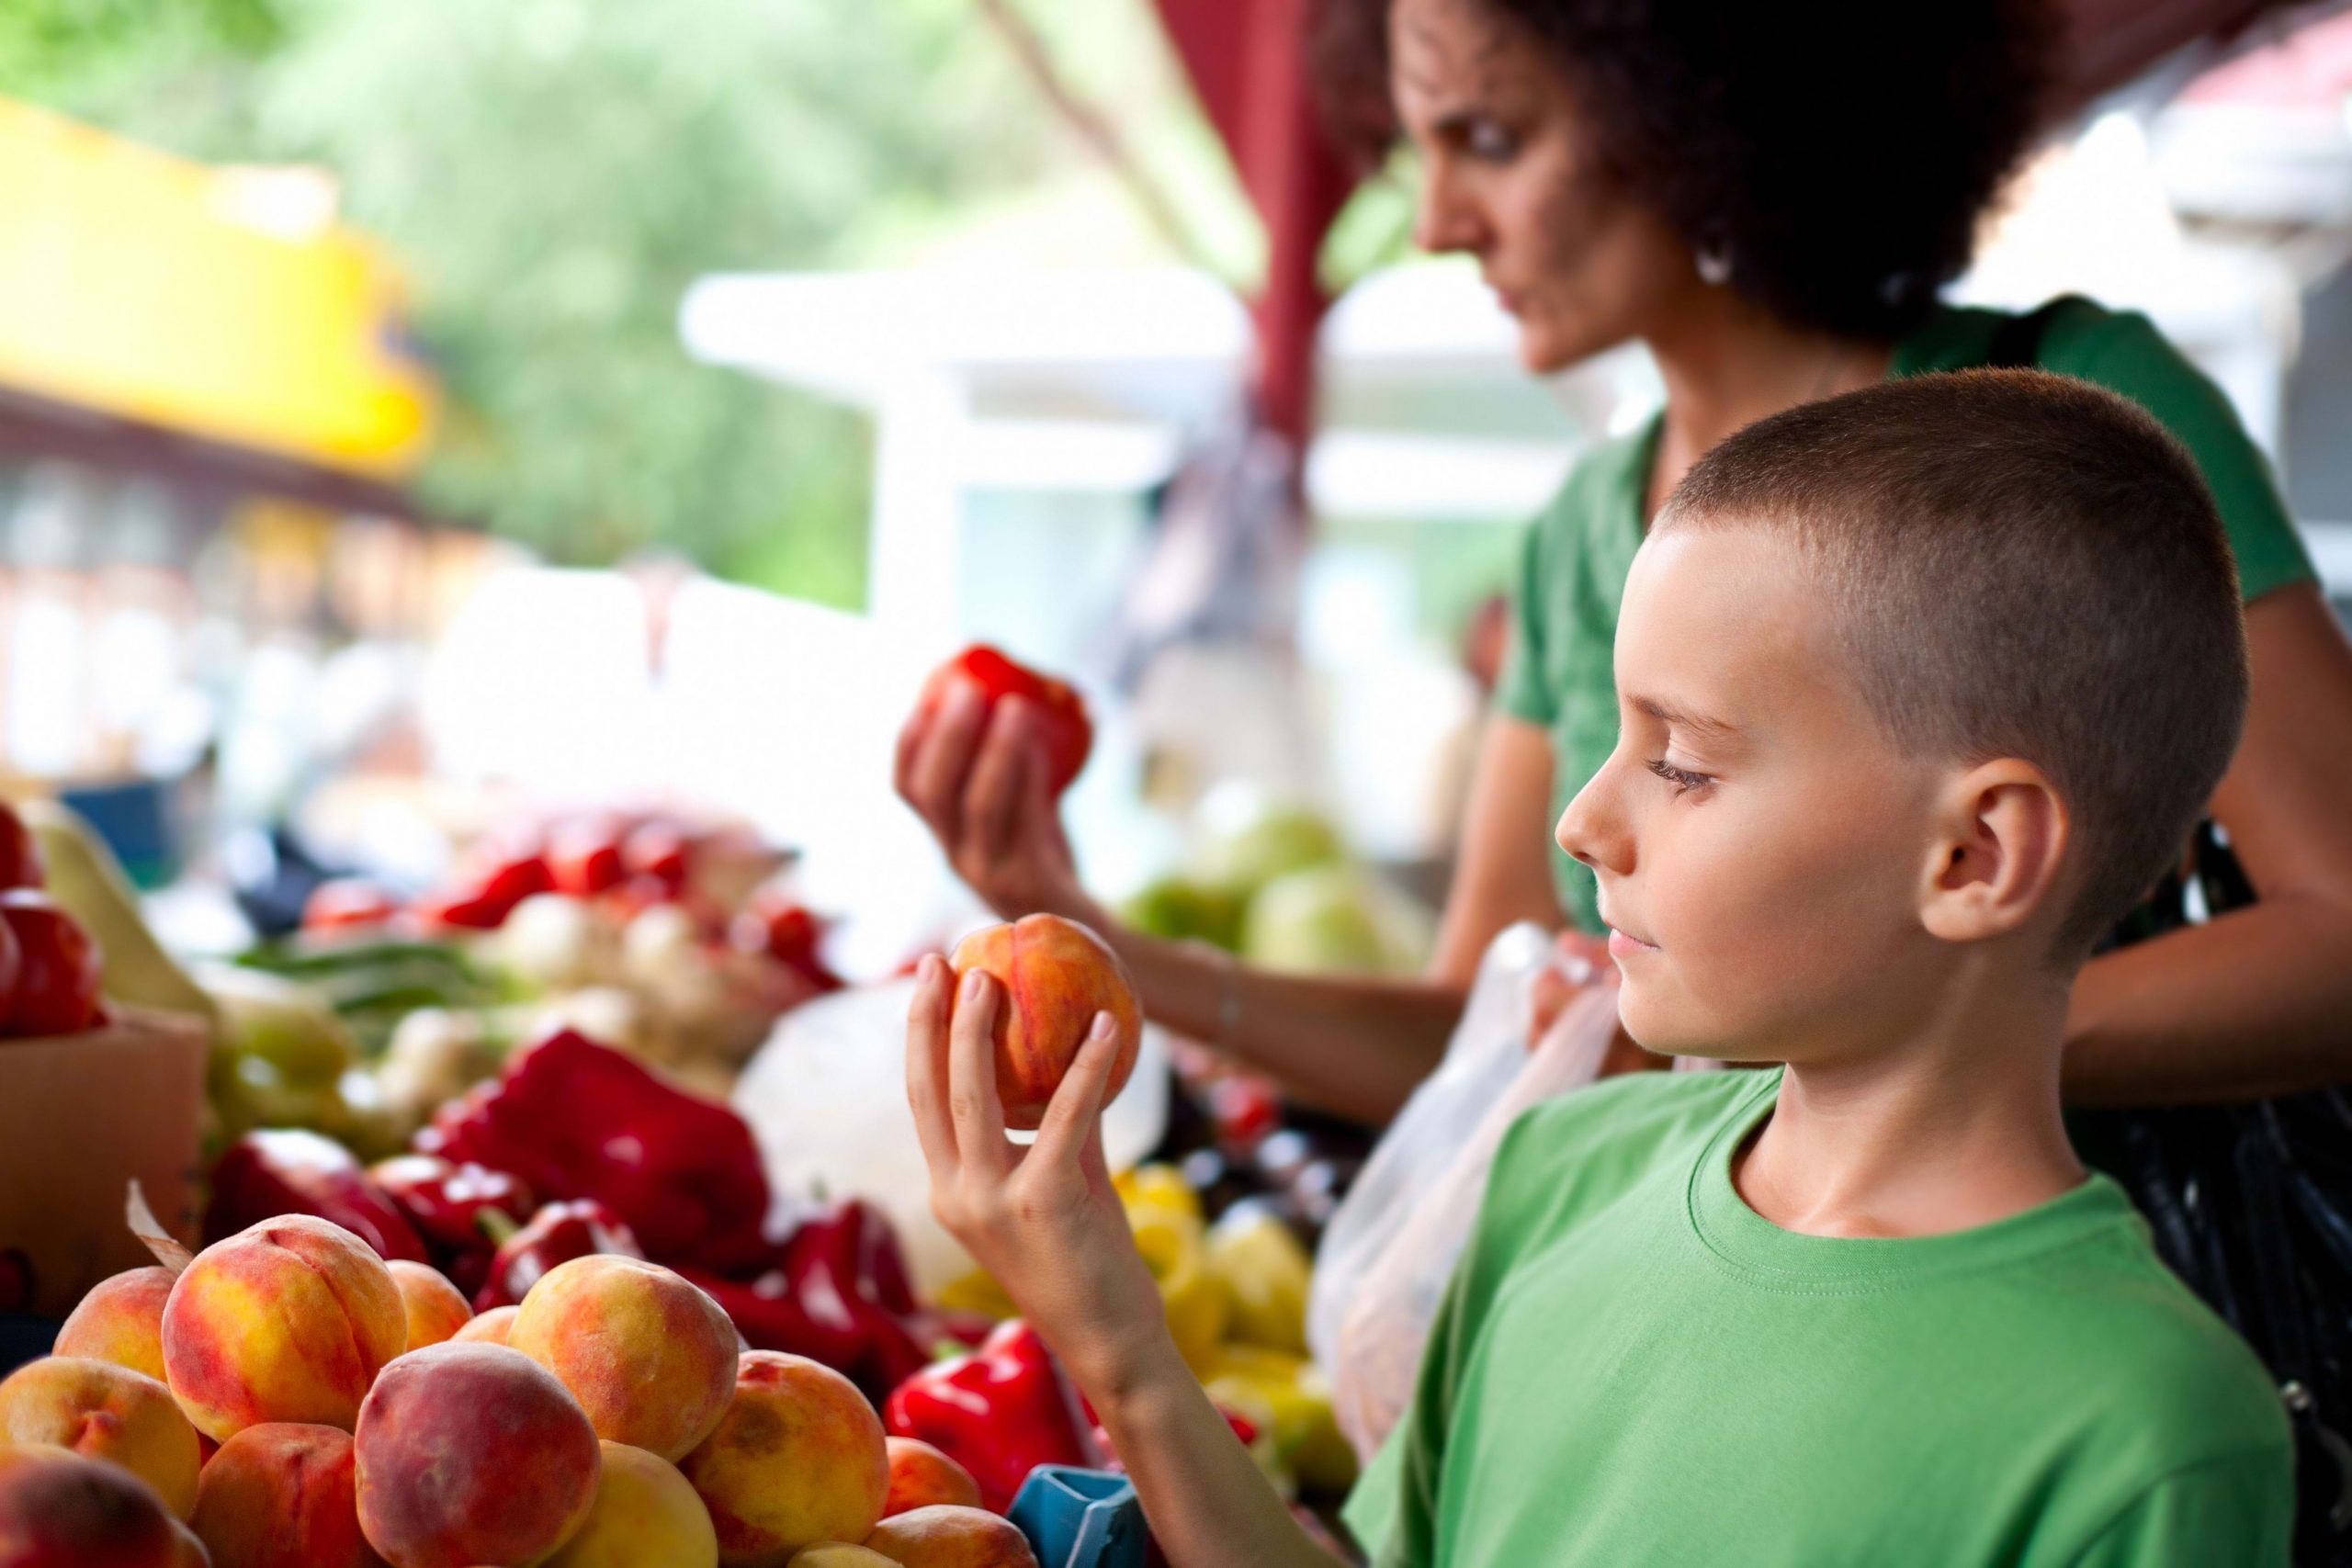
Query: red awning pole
{"x": 1248, "y": 61}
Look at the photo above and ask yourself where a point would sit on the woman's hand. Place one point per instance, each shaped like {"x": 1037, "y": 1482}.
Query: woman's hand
{"x": 976, "y": 773}
{"x": 1043, "y": 1221}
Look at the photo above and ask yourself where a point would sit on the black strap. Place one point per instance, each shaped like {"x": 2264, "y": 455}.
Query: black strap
{"x": 2016, "y": 342}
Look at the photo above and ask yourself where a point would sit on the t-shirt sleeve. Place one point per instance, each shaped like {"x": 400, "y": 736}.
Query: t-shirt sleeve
{"x": 2123, "y": 351}
{"x": 1523, "y": 691}
{"x": 2231, "y": 1513}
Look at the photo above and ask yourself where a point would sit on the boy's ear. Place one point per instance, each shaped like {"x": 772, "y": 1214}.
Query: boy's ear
{"x": 2000, "y": 850}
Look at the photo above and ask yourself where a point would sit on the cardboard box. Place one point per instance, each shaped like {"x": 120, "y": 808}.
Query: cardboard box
{"x": 80, "y": 1116}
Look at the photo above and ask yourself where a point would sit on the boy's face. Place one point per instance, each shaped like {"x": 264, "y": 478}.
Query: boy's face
{"x": 1762, "y": 846}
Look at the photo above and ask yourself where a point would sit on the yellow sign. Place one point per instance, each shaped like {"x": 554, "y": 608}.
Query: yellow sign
{"x": 227, "y": 303}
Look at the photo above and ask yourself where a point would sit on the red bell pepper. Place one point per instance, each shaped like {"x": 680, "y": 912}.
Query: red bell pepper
{"x": 1000, "y": 1412}
{"x": 1063, "y": 727}
{"x": 556, "y": 1234}
{"x": 791, "y": 935}
{"x": 574, "y": 1119}
{"x": 836, "y": 1291}
{"x": 445, "y": 1202}
{"x": 284, "y": 1171}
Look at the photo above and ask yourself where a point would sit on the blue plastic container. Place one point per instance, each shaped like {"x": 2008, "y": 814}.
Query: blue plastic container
{"x": 1080, "y": 1518}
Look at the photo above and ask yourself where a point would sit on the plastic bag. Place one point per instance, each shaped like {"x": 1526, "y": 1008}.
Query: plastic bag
{"x": 1390, "y": 1250}
{"x": 826, "y": 1097}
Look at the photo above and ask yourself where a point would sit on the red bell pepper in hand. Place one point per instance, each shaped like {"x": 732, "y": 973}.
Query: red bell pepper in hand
{"x": 284, "y": 1171}
{"x": 556, "y": 1234}
{"x": 1063, "y": 727}
{"x": 1000, "y": 1412}
{"x": 445, "y": 1202}
{"x": 574, "y": 1119}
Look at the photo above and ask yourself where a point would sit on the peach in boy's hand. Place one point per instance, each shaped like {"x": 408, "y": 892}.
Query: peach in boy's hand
{"x": 1057, "y": 975}
{"x": 1043, "y": 1221}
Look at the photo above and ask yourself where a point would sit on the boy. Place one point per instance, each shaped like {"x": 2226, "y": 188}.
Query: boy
{"x": 1919, "y": 689}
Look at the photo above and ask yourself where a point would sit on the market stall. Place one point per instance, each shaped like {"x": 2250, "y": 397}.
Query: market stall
{"x": 496, "y": 1149}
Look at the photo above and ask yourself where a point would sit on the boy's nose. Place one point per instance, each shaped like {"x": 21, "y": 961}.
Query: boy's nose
{"x": 1592, "y": 830}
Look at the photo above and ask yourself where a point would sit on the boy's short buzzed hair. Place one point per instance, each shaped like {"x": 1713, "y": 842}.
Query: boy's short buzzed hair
{"x": 2020, "y": 565}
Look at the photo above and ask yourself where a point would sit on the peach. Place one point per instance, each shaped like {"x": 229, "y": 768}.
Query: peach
{"x": 921, "y": 1476}
{"x": 287, "y": 1320}
{"x": 797, "y": 1457}
{"x": 101, "y": 1411}
{"x": 490, "y": 1327}
{"x": 60, "y": 1511}
{"x": 944, "y": 1536}
{"x": 283, "y": 1496}
{"x": 646, "y": 1516}
{"x": 648, "y": 1356}
{"x": 471, "y": 1453}
{"x": 837, "y": 1554}
{"x": 1057, "y": 975}
{"x": 187, "y": 1551}
{"x": 121, "y": 1320}
{"x": 432, "y": 1305}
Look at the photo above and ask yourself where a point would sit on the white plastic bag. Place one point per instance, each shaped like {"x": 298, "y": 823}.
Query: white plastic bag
{"x": 826, "y": 1097}
{"x": 1390, "y": 1250}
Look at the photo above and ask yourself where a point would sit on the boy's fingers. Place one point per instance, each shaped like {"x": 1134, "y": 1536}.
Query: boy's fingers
{"x": 926, "y": 1051}
{"x": 1078, "y": 1104}
{"x": 972, "y": 1103}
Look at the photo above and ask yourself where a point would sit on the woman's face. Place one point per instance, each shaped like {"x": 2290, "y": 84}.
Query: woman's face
{"x": 1509, "y": 175}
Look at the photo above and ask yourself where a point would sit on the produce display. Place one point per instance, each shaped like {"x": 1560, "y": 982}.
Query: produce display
{"x": 49, "y": 968}
{"x": 490, "y": 1275}
{"x": 1275, "y": 883}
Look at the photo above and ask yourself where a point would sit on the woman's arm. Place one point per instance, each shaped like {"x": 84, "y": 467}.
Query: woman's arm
{"x": 1357, "y": 1045}
{"x": 1045, "y": 1223}
{"x": 2258, "y": 1001}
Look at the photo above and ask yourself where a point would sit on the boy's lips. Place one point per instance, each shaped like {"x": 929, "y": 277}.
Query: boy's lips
{"x": 1624, "y": 944}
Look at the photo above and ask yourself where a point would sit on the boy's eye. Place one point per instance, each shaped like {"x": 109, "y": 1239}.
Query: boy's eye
{"x": 1683, "y": 780}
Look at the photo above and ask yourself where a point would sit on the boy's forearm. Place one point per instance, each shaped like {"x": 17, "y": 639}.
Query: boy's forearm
{"x": 1209, "y": 1505}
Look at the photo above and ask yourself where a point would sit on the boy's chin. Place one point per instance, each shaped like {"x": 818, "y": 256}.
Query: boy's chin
{"x": 1663, "y": 1031}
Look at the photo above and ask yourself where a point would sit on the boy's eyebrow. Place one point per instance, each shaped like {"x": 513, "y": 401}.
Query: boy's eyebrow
{"x": 1699, "y": 725}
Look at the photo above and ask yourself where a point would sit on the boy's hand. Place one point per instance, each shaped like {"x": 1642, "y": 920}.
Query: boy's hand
{"x": 1043, "y": 1221}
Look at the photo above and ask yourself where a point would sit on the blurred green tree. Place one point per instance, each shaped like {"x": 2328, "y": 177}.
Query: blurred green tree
{"x": 554, "y": 172}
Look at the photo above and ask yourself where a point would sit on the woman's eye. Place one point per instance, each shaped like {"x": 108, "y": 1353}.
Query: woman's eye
{"x": 1682, "y": 779}
{"x": 1487, "y": 140}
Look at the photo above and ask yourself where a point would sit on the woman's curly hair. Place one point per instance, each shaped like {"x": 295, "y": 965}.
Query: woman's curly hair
{"x": 1837, "y": 154}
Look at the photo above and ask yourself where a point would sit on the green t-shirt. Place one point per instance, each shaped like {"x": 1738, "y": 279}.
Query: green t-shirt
{"x": 1632, "y": 1367}
{"x": 1572, "y": 569}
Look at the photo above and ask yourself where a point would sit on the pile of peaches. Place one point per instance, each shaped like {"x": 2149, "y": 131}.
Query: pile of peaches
{"x": 288, "y": 1399}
